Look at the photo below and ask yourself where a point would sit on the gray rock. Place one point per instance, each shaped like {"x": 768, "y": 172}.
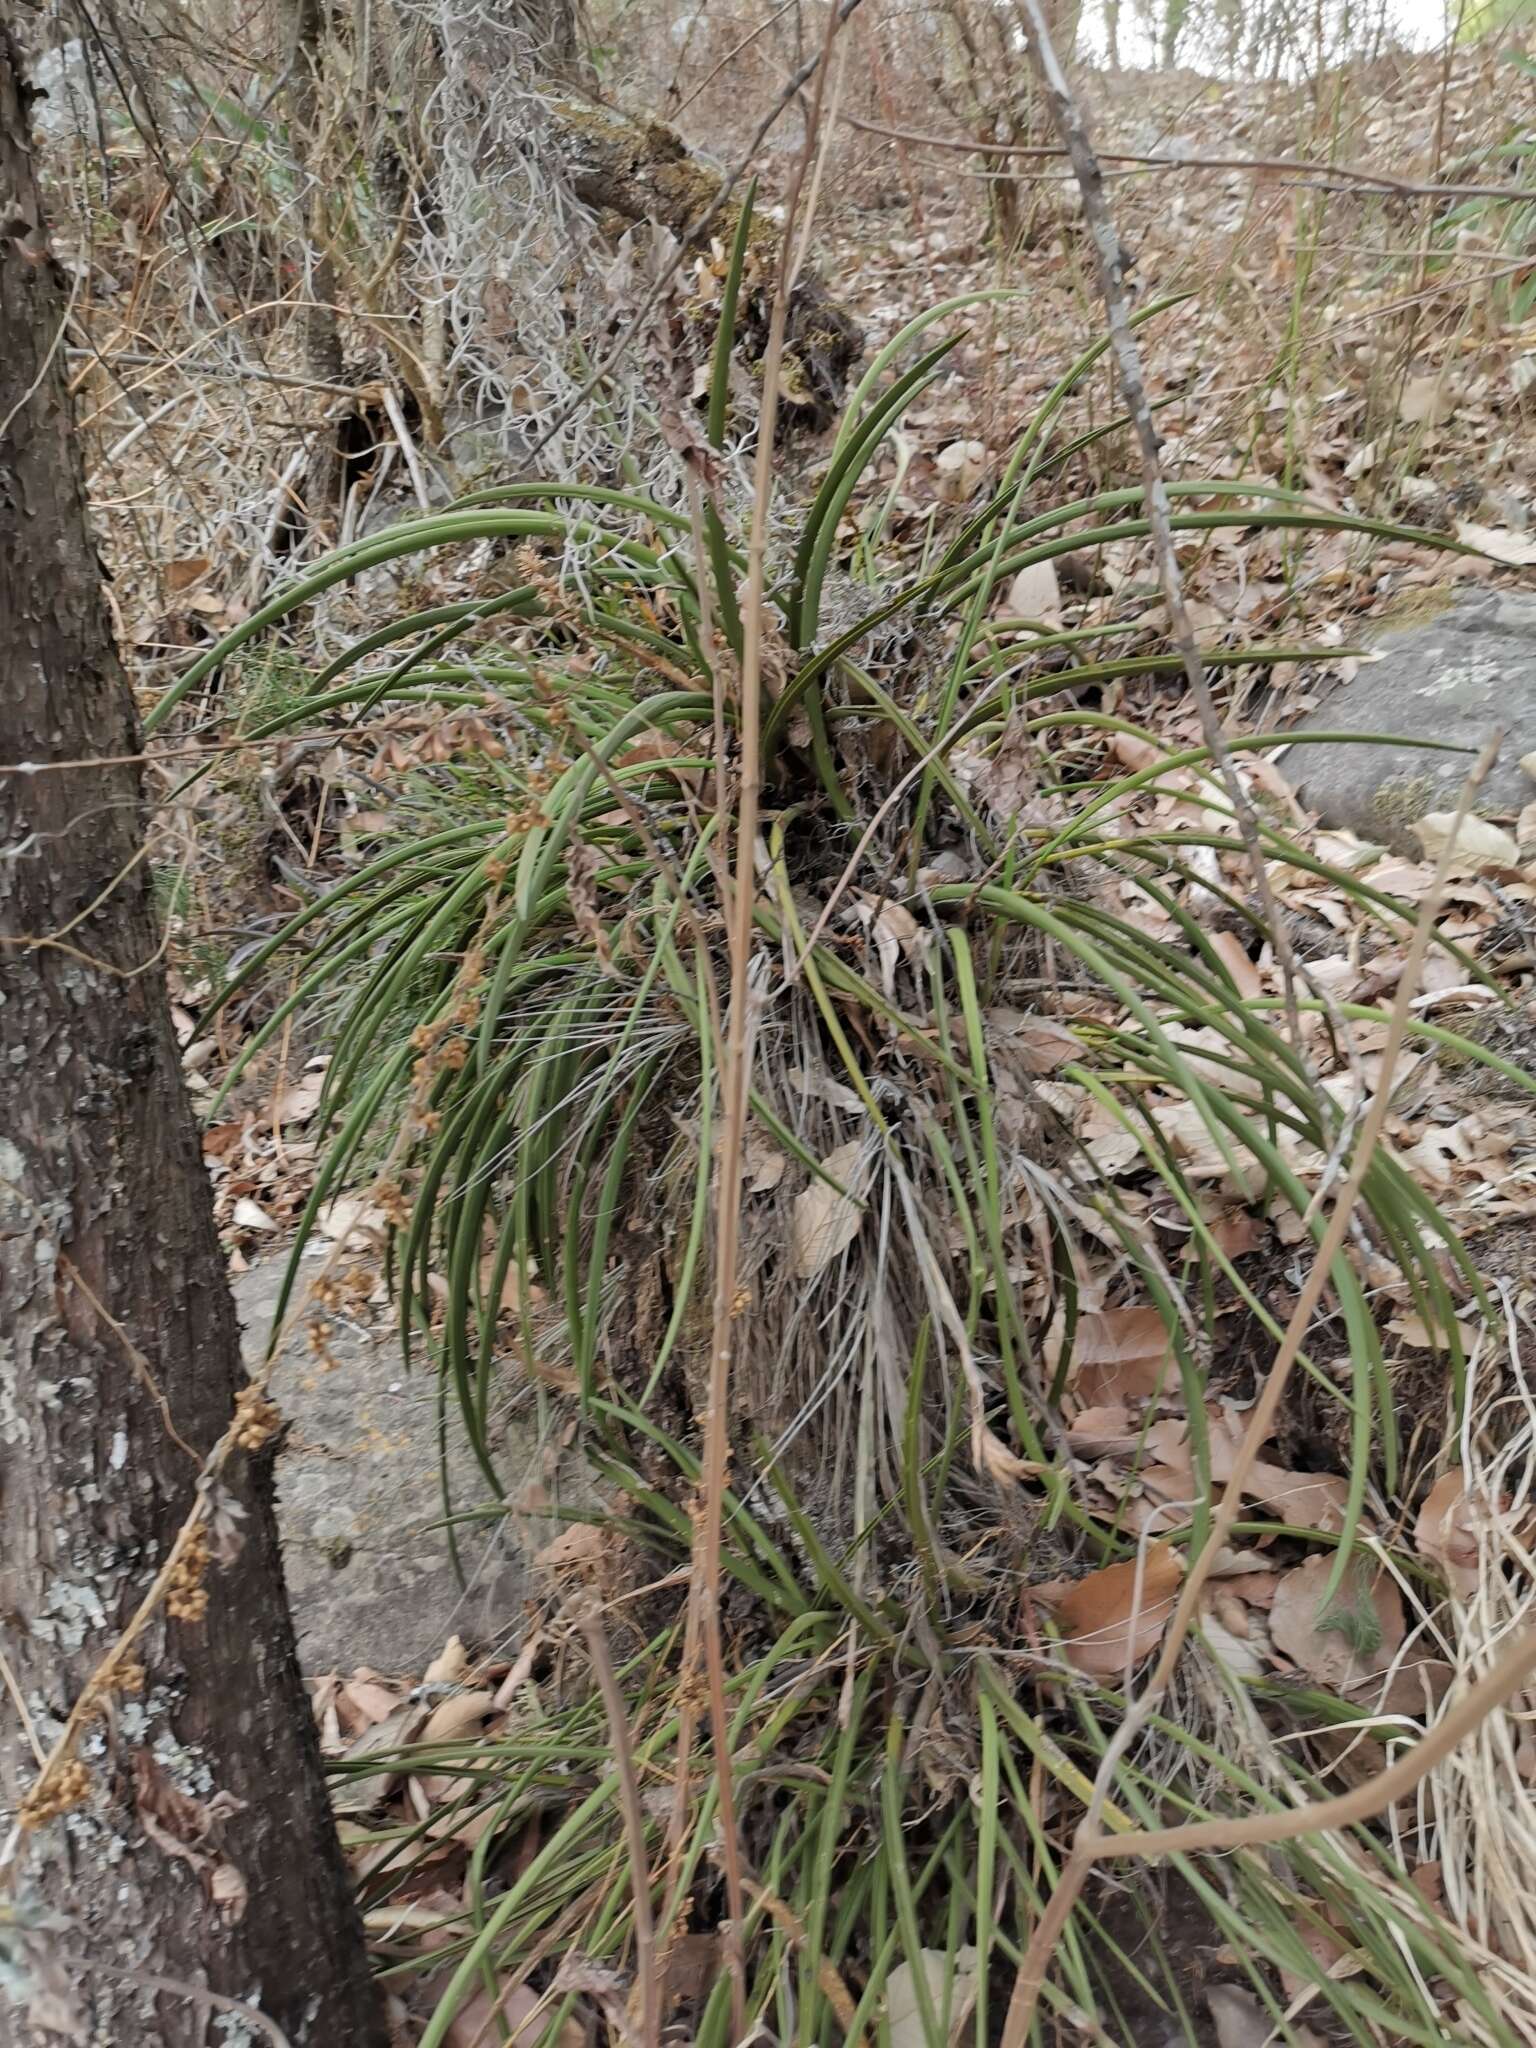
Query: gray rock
{"x": 76, "y": 95}
{"x": 1451, "y": 679}
{"x": 369, "y": 1576}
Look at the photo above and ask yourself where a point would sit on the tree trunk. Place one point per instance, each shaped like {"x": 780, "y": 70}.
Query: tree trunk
{"x": 303, "y": 25}
{"x": 111, "y": 1275}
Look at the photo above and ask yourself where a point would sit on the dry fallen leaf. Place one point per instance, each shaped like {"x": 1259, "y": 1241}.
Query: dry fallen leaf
{"x": 1446, "y": 1534}
{"x": 449, "y": 1665}
{"x": 1346, "y": 1642}
{"x": 824, "y": 1222}
{"x": 457, "y": 1715}
{"x": 1104, "y": 1432}
{"x": 1245, "y": 975}
{"x": 1476, "y": 844}
{"x": 516, "y": 1288}
{"x": 1120, "y": 1354}
{"x": 354, "y": 1220}
{"x": 692, "y": 1963}
{"x": 896, "y": 933}
{"x": 360, "y": 1794}
{"x": 1035, "y": 594}
{"x": 1106, "y": 1140}
{"x": 1040, "y": 1044}
{"x": 1134, "y": 752}
{"x": 366, "y": 1701}
{"x": 961, "y": 467}
{"x": 763, "y": 1164}
{"x": 300, "y": 1099}
{"x": 1234, "y": 1651}
{"x": 190, "y": 1829}
{"x": 1302, "y": 1500}
{"x": 902, "y": 2011}
{"x": 457, "y": 1719}
{"x": 581, "y": 1547}
{"x": 1113, "y": 1618}
{"x": 1241, "y": 2022}
{"x": 523, "y": 2012}
{"x": 1499, "y": 542}
{"x": 1425, "y": 402}
{"x": 826, "y": 1087}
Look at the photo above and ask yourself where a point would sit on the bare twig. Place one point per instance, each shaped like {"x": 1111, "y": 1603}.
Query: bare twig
{"x": 104, "y": 1673}
{"x": 141, "y": 1365}
{"x": 251, "y": 2018}
{"x": 243, "y": 373}
{"x": 737, "y": 1075}
{"x": 1298, "y": 167}
{"x": 673, "y": 113}
{"x": 634, "y": 1821}
{"x": 18, "y": 1701}
{"x": 1509, "y": 1674}
{"x": 407, "y": 448}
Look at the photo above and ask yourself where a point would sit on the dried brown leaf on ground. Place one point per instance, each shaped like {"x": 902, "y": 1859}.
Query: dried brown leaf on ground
{"x": 1446, "y": 1531}
{"x": 1477, "y": 846}
{"x": 1345, "y": 1640}
{"x": 960, "y": 465}
{"x": 458, "y": 1715}
{"x": 1241, "y": 2022}
{"x": 824, "y": 1221}
{"x": 517, "y": 2018}
{"x": 763, "y": 1164}
{"x": 1119, "y": 1355}
{"x": 1035, "y": 593}
{"x": 1113, "y": 1618}
{"x": 297, "y": 1103}
{"x": 1040, "y": 1044}
{"x": 353, "y": 1220}
{"x": 1238, "y": 1649}
{"x": 903, "y": 2012}
{"x": 1517, "y": 550}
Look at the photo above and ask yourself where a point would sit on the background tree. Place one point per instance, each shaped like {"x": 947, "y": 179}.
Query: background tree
{"x": 197, "y": 1843}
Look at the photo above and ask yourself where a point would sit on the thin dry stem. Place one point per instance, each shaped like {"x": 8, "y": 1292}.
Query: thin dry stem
{"x": 1299, "y": 167}
{"x": 737, "y": 1076}
{"x": 634, "y": 1823}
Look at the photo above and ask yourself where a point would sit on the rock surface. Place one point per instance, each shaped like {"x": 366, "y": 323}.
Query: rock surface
{"x": 77, "y": 98}
{"x": 75, "y": 95}
{"x": 359, "y": 1492}
{"x": 1453, "y": 680}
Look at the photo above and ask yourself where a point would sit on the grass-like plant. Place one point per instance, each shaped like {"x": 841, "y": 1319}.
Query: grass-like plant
{"x": 526, "y": 981}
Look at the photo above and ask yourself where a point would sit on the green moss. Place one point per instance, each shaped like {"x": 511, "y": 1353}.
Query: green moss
{"x": 1401, "y": 800}
{"x": 1418, "y": 606}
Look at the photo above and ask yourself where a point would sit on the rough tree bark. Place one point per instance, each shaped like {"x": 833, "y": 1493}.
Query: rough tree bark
{"x": 110, "y": 1272}
{"x": 629, "y": 170}
{"x": 303, "y": 30}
